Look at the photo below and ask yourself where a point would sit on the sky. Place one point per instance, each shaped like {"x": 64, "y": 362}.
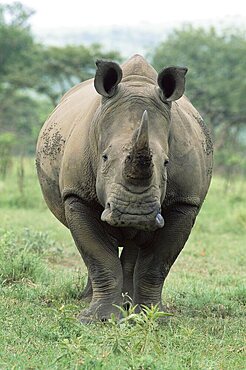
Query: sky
{"x": 92, "y": 13}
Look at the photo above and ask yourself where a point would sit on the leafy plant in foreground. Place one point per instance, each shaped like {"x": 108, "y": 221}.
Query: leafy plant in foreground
{"x": 143, "y": 326}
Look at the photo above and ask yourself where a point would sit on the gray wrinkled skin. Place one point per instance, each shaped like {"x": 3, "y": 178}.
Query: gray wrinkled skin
{"x": 126, "y": 160}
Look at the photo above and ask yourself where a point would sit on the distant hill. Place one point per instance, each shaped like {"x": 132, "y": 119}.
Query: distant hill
{"x": 140, "y": 39}
{"x": 127, "y": 40}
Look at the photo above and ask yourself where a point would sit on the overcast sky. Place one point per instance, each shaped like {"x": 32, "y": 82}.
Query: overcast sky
{"x": 88, "y": 13}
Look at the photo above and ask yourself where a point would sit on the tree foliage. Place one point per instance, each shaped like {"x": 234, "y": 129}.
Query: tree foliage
{"x": 18, "y": 110}
{"x": 16, "y": 46}
{"x": 216, "y": 82}
{"x": 60, "y": 68}
{"x": 33, "y": 77}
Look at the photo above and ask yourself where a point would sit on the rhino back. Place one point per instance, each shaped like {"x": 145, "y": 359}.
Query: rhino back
{"x": 190, "y": 153}
{"x": 63, "y": 139}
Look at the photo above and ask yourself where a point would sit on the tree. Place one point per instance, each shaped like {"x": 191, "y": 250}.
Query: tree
{"x": 6, "y": 145}
{"x": 33, "y": 77}
{"x": 18, "y": 109}
{"x": 16, "y": 46}
{"x": 60, "y": 68}
{"x": 216, "y": 82}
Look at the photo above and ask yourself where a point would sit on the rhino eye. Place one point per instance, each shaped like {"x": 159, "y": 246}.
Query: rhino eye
{"x": 104, "y": 157}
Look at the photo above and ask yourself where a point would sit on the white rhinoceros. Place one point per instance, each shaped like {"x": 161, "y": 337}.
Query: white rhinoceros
{"x": 126, "y": 160}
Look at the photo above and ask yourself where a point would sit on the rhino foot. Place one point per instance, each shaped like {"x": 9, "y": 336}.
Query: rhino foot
{"x": 99, "y": 312}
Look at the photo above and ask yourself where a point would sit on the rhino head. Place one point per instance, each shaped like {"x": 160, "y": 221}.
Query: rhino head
{"x": 132, "y": 131}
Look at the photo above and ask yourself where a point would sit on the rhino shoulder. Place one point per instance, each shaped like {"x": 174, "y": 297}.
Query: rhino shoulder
{"x": 184, "y": 111}
{"x": 76, "y": 88}
{"x": 190, "y": 149}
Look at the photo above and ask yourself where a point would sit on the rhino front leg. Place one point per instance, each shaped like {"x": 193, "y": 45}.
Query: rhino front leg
{"x": 155, "y": 259}
{"x": 86, "y": 294}
{"x": 101, "y": 258}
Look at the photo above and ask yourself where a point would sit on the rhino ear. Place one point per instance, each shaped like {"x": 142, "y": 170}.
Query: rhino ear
{"x": 107, "y": 78}
{"x": 171, "y": 81}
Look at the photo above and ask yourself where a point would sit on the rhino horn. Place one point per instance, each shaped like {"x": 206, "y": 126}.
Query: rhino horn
{"x": 140, "y": 137}
{"x": 138, "y": 163}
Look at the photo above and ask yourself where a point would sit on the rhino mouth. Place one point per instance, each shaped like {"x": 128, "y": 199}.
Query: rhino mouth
{"x": 143, "y": 217}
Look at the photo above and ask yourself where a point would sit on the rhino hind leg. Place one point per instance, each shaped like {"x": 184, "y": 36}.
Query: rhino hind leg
{"x": 155, "y": 260}
{"x": 101, "y": 258}
{"x": 128, "y": 260}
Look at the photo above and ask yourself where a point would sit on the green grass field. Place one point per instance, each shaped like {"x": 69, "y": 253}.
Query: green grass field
{"x": 41, "y": 277}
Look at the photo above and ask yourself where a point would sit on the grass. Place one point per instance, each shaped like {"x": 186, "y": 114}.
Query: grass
{"x": 41, "y": 277}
